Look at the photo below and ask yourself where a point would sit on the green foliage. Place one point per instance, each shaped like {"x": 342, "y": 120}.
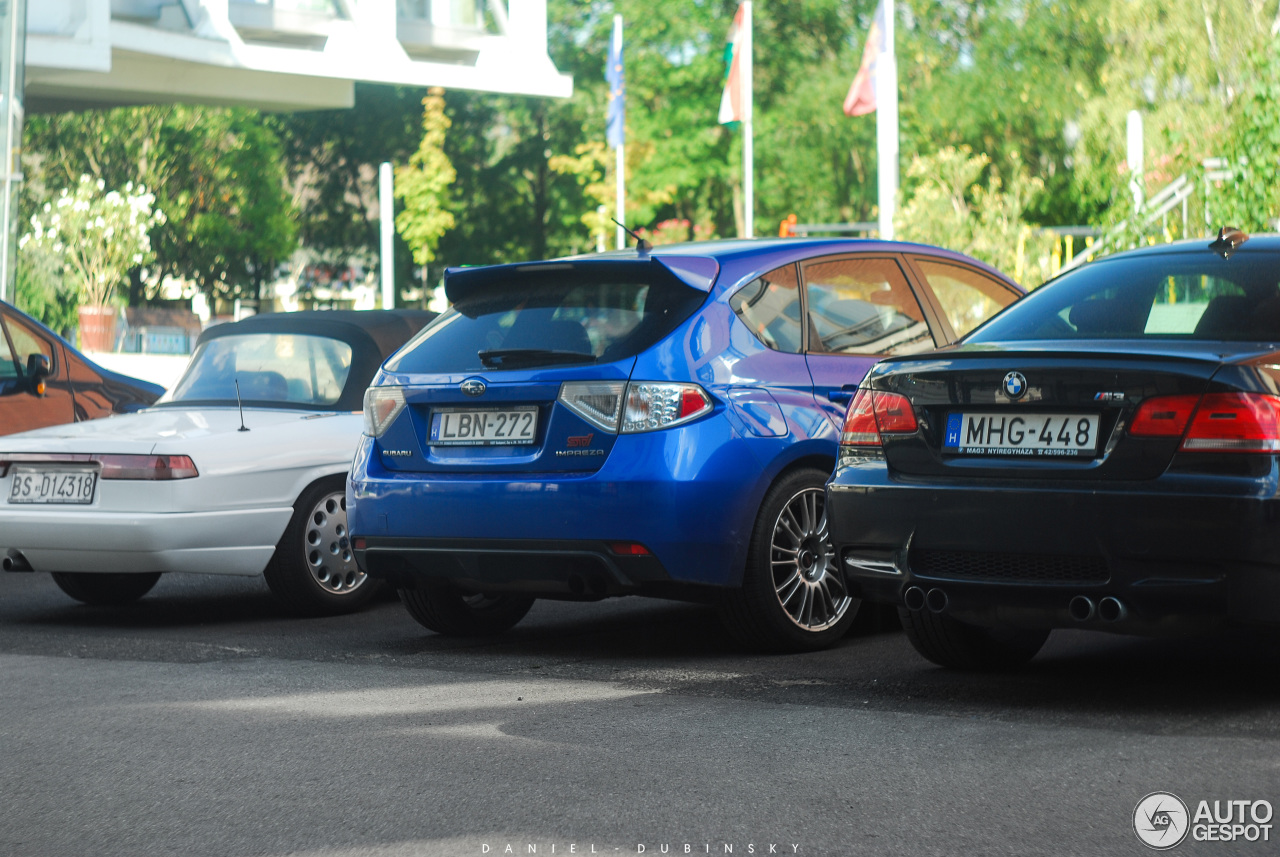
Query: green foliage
{"x": 42, "y": 289}
{"x": 1251, "y": 200}
{"x": 216, "y": 173}
{"x": 951, "y": 207}
{"x": 423, "y": 185}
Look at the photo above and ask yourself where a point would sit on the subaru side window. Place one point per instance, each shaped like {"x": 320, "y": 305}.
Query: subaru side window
{"x": 770, "y": 307}
{"x": 967, "y": 297}
{"x": 863, "y": 306}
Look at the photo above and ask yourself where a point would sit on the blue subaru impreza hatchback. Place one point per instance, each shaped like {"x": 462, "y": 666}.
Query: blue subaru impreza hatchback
{"x": 652, "y": 422}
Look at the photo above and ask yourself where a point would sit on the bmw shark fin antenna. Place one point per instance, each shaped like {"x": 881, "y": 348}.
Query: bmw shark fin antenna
{"x": 642, "y": 246}
{"x": 240, "y": 405}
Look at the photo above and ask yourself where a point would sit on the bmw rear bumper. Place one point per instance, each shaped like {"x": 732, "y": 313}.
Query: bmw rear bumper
{"x": 1155, "y": 557}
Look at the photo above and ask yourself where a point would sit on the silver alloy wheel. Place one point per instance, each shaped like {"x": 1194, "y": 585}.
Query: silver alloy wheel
{"x": 808, "y": 584}
{"x": 328, "y": 551}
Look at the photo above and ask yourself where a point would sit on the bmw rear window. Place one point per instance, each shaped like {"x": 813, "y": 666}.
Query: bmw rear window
{"x": 544, "y": 318}
{"x": 1192, "y": 295}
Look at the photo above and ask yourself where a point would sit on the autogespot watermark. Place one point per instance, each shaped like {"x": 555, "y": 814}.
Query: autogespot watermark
{"x": 1163, "y": 820}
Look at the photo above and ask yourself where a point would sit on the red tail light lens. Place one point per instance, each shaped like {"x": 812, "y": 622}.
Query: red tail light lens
{"x": 148, "y": 467}
{"x": 1163, "y": 416}
{"x": 629, "y": 549}
{"x": 871, "y": 413}
{"x": 1235, "y": 422}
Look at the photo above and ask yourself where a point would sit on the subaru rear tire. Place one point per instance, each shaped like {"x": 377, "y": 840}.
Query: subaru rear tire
{"x": 442, "y": 608}
{"x": 794, "y": 597}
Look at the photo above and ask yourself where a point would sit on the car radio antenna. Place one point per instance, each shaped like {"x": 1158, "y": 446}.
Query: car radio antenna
{"x": 642, "y": 246}
{"x": 240, "y": 405}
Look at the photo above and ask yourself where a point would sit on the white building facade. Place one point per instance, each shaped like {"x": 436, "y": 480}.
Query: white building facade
{"x": 280, "y": 54}
{"x": 270, "y": 54}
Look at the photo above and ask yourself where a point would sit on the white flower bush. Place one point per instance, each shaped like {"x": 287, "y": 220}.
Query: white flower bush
{"x": 96, "y": 235}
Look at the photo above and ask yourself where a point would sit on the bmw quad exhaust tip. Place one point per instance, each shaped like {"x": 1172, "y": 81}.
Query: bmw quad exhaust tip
{"x": 936, "y": 600}
{"x": 1112, "y": 609}
{"x": 913, "y": 598}
{"x": 1082, "y": 608}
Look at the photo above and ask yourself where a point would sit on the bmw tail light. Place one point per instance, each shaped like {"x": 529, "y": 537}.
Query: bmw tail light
{"x": 381, "y": 406}
{"x": 597, "y": 402}
{"x": 1235, "y": 422}
{"x": 872, "y": 413}
{"x": 1163, "y": 416}
{"x": 146, "y": 467}
{"x": 860, "y": 422}
{"x": 653, "y": 405}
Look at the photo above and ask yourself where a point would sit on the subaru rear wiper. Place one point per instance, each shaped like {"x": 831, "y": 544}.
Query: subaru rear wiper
{"x": 503, "y": 357}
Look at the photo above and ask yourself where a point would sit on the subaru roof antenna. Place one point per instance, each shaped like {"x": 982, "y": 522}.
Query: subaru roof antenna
{"x": 642, "y": 246}
{"x": 240, "y": 405}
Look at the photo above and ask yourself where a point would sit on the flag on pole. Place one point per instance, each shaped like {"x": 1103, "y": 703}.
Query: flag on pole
{"x": 862, "y": 93}
{"x": 615, "y": 128}
{"x": 733, "y": 101}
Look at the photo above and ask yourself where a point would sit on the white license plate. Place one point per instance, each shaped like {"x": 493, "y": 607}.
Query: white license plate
{"x": 1047, "y": 435}
{"x": 52, "y": 484}
{"x": 484, "y": 426}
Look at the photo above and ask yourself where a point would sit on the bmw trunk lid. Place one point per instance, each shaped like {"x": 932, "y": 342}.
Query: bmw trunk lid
{"x": 1057, "y": 410}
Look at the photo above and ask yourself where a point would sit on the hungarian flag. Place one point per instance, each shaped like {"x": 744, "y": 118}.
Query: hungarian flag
{"x": 862, "y": 93}
{"x": 733, "y": 102}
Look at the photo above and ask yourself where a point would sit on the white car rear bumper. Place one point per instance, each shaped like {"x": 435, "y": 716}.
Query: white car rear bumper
{"x": 238, "y": 542}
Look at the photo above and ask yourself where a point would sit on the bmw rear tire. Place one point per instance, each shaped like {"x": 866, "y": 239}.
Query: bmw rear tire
{"x": 794, "y": 597}
{"x": 107, "y": 589}
{"x": 948, "y": 642}
{"x": 313, "y": 571}
{"x": 446, "y": 610}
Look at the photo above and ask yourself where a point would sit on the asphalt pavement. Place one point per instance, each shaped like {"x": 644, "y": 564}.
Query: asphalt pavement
{"x": 204, "y": 721}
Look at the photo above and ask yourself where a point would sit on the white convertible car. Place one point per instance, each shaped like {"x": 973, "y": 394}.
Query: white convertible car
{"x": 239, "y": 469}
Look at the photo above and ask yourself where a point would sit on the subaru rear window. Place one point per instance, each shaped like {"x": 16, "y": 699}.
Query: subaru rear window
{"x": 551, "y": 318}
{"x": 1195, "y": 295}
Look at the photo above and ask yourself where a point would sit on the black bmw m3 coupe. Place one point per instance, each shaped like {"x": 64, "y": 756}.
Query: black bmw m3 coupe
{"x": 1104, "y": 454}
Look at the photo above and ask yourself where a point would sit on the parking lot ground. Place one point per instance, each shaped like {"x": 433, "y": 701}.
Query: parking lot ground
{"x": 203, "y": 721}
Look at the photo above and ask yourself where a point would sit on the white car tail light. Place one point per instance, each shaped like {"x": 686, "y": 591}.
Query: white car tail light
{"x": 597, "y": 402}
{"x": 381, "y": 406}
{"x": 147, "y": 467}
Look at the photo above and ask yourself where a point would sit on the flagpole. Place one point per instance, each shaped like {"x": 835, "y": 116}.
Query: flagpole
{"x": 748, "y": 147}
{"x": 887, "y": 126}
{"x": 621, "y": 202}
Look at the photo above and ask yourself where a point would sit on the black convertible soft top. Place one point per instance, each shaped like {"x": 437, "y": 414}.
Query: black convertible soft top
{"x": 374, "y": 335}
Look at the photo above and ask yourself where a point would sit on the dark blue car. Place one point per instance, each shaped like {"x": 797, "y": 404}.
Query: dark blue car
{"x": 652, "y": 422}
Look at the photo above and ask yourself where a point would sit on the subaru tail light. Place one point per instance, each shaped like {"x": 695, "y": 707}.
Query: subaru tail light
{"x": 381, "y": 406}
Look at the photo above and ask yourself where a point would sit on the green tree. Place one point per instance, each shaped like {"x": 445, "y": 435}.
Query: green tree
{"x": 217, "y": 174}
{"x": 1251, "y": 200}
{"x": 423, "y": 184}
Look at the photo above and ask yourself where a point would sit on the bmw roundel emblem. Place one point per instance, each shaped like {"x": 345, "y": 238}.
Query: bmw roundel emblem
{"x": 1015, "y": 384}
{"x": 473, "y": 387}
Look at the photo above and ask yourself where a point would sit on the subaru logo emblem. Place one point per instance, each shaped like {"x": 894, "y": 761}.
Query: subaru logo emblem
{"x": 473, "y": 387}
{"x": 1015, "y": 384}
